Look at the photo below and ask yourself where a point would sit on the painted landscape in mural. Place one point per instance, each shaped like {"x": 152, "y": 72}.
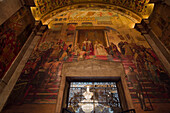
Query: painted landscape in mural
{"x": 13, "y": 34}
{"x": 39, "y": 81}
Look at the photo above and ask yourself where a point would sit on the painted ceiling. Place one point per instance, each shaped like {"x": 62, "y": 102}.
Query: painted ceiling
{"x": 93, "y": 16}
{"x": 46, "y": 9}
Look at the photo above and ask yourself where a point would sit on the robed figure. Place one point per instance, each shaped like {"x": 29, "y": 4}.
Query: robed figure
{"x": 87, "y": 46}
{"x": 99, "y": 49}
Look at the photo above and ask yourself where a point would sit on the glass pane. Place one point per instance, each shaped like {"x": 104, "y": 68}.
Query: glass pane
{"x": 98, "y": 97}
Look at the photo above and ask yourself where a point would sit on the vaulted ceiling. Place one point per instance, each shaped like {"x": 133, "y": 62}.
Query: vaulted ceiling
{"x": 45, "y": 9}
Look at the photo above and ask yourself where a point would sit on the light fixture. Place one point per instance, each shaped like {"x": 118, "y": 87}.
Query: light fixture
{"x": 87, "y": 104}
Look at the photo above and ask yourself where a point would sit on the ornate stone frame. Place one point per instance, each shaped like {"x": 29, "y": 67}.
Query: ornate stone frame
{"x": 93, "y": 69}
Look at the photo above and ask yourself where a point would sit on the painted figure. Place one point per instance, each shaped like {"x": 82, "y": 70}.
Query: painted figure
{"x": 55, "y": 52}
{"x": 69, "y": 50}
{"x": 99, "y": 49}
{"x": 114, "y": 51}
{"x": 128, "y": 50}
{"x": 153, "y": 72}
{"x": 76, "y": 49}
{"x": 64, "y": 56}
{"x": 120, "y": 45}
{"x": 133, "y": 78}
{"x": 53, "y": 70}
{"x": 87, "y": 46}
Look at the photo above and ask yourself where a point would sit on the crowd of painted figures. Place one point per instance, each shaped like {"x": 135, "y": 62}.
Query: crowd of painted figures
{"x": 46, "y": 60}
{"x": 45, "y": 63}
{"x": 144, "y": 58}
{"x": 87, "y": 49}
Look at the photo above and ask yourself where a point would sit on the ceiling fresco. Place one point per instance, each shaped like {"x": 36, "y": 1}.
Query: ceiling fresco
{"x": 94, "y": 16}
{"x": 141, "y": 8}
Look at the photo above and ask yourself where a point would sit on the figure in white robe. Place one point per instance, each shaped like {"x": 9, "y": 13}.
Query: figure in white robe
{"x": 99, "y": 49}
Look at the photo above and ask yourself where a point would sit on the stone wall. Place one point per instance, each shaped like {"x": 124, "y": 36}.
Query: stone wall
{"x": 159, "y": 22}
{"x": 8, "y": 8}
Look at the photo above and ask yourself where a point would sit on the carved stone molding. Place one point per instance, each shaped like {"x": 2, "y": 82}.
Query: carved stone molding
{"x": 92, "y": 67}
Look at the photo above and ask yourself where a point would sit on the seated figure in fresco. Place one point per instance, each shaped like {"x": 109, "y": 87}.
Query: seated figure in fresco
{"x": 99, "y": 49}
{"x": 133, "y": 78}
{"x": 87, "y": 46}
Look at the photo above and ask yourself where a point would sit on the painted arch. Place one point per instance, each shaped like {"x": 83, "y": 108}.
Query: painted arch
{"x": 137, "y": 9}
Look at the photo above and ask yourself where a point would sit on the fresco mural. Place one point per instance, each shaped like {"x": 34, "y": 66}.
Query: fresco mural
{"x": 93, "y": 16}
{"x": 140, "y": 7}
{"x": 11, "y": 37}
{"x": 39, "y": 81}
{"x": 70, "y": 32}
